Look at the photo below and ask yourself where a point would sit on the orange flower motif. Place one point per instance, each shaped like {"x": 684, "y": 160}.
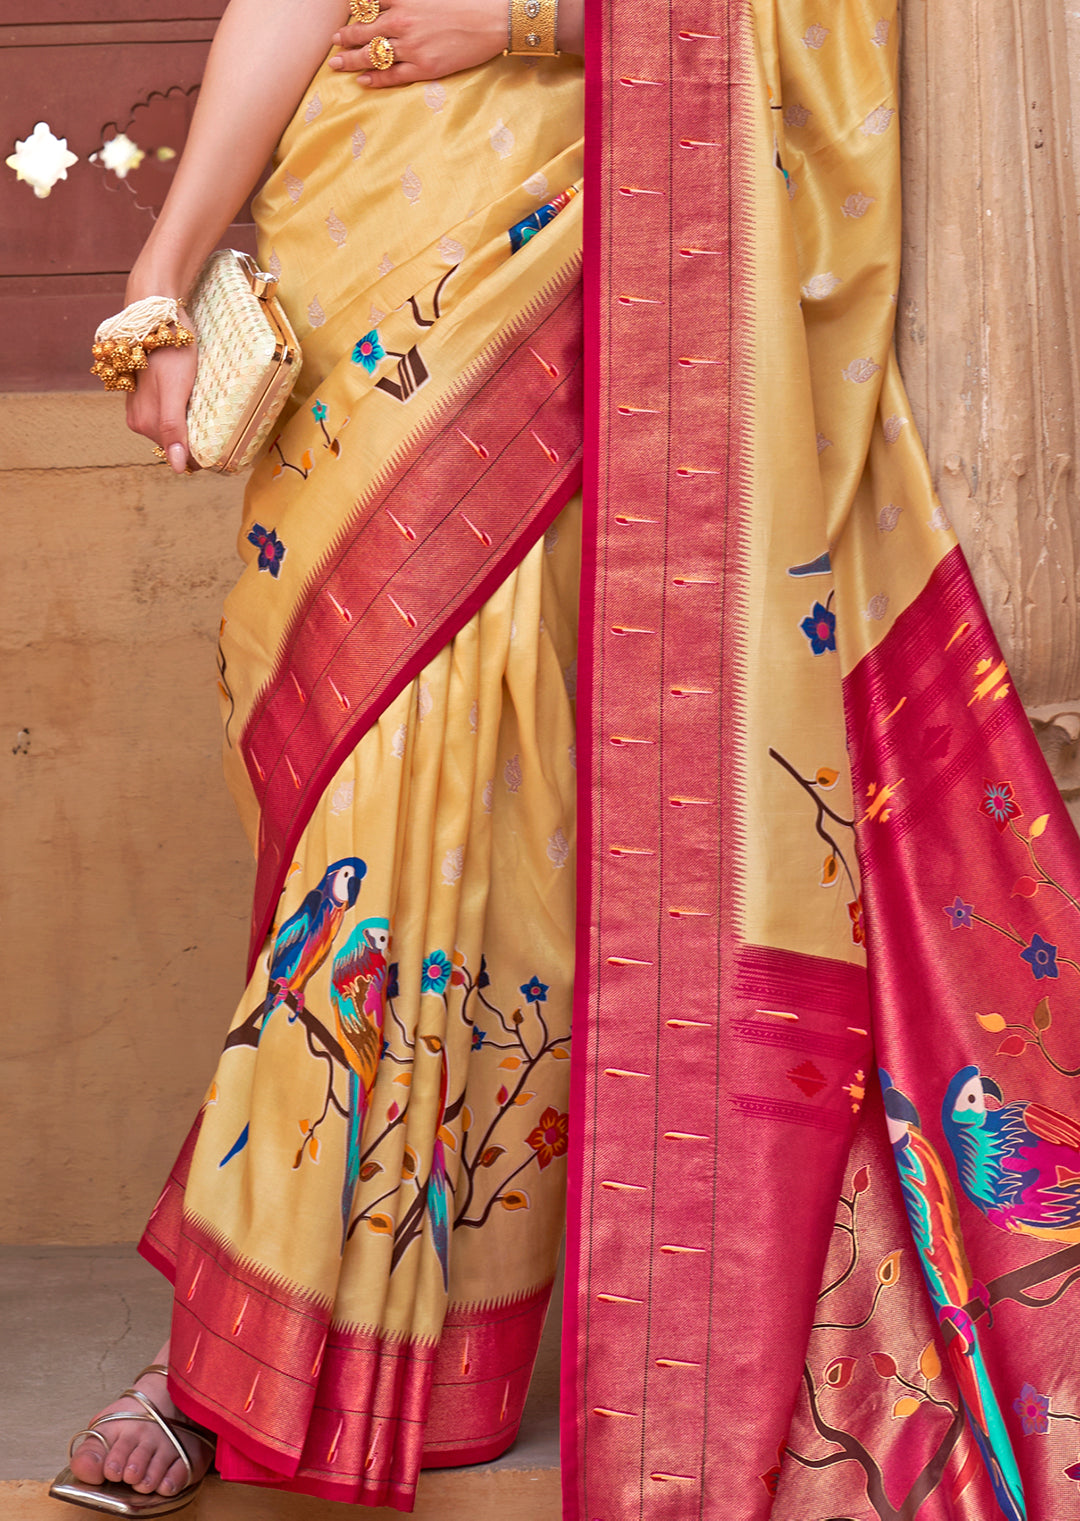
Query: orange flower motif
{"x": 551, "y": 1137}
{"x": 858, "y": 923}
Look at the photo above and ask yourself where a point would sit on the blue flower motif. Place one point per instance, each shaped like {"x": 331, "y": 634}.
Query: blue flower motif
{"x": 368, "y": 351}
{"x": 271, "y": 549}
{"x": 535, "y": 991}
{"x": 820, "y": 629}
{"x": 1033, "y": 1409}
{"x": 478, "y": 1037}
{"x": 392, "y": 980}
{"x": 960, "y": 913}
{"x": 1041, "y": 957}
{"x": 318, "y": 411}
{"x": 436, "y": 974}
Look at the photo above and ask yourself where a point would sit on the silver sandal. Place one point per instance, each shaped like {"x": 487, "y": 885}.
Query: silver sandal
{"x": 121, "y": 1499}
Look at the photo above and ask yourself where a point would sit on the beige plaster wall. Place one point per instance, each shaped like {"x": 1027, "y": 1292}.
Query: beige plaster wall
{"x": 124, "y": 876}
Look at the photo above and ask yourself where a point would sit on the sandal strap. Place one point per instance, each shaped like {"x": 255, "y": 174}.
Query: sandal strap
{"x": 155, "y": 1415}
{"x": 159, "y": 1368}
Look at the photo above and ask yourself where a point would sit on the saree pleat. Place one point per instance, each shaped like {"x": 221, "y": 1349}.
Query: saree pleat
{"x": 817, "y": 838}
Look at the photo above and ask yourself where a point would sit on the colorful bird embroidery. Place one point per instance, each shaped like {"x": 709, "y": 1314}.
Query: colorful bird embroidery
{"x": 435, "y": 1190}
{"x": 304, "y": 940}
{"x": 1019, "y": 1163}
{"x": 358, "y": 992}
{"x": 302, "y": 945}
{"x": 935, "y": 1224}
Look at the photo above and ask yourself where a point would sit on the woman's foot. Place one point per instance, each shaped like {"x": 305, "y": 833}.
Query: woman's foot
{"x": 139, "y": 1453}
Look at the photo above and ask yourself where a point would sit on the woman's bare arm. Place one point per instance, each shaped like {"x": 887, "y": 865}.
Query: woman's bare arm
{"x": 262, "y": 60}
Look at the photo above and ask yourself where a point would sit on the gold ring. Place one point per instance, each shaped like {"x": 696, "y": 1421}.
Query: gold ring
{"x": 160, "y": 455}
{"x": 382, "y": 52}
{"x": 364, "y": 12}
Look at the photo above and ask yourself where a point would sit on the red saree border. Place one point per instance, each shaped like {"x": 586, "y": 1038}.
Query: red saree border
{"x": 665, "y": 572}
{"x": 472, "y": 494}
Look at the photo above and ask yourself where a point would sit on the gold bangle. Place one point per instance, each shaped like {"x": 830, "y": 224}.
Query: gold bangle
{"x": 534, "y": 28}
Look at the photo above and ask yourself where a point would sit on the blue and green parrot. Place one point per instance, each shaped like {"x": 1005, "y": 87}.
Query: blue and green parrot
{"x": 358, "y": 992}
{"x": 935, "y": 1224}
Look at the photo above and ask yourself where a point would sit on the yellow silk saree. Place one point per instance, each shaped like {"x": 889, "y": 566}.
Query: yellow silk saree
{"x": 812, "y": 834}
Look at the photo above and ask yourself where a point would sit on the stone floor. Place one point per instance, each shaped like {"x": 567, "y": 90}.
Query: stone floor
{"x": 76, "y": 1323}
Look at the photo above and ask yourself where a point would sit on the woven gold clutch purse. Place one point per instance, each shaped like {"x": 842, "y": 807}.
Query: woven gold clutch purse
{"x": 249, "y": 361}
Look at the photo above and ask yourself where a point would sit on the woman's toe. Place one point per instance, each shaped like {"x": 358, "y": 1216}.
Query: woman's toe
{"x": 87, "y": 1462}
{"x": 174, "y": 1480}
{"x": 119, "y": 1456}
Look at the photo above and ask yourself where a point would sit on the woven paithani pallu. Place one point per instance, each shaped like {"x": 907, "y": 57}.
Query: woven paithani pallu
{"x": 823, "y": 1147}
{"x": 825, "y": 1151}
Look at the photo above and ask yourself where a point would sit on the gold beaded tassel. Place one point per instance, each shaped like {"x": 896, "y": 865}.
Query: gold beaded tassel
{"x": 123, "y": 342}
{"x": 534, "y": 28}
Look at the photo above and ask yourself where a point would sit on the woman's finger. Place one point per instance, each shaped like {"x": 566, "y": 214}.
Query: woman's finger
{"x": 397, "y": 74}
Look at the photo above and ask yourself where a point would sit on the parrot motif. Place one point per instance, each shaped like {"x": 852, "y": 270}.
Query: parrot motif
{"x": 304, "y": 940}
{"x": 1019, "y": 1163}
{"x": 435, "y": 1200}
{"x": 358, "y": 990}
{"x": 302, "y": 944}
{"x": 935, "y": 1224}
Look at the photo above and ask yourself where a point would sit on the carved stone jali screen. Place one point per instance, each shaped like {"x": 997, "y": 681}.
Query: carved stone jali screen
{"x": 90, "y": 69}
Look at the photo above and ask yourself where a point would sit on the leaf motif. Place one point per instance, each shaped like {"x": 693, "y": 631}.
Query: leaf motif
{"x": 884, "y": 1365}
{"x": 861, "y": 1181}
{"x": 409, "y": 1163}
{"x": 1041, "y": 1018}
{"x": 930, "y": 1363}
{"x": 888, "y": 1269}
{"x": 1038, "y": 825}
{"x": 511, "y": 1063}
{"x": 517, "y": 1198}
{"x": 904, "y": 1407}
{"x": 335, "y": 447}
{"x": 1025, "y": 887}
{"x": 382, "y": 1225}
{"x": 491, "y": 1155}
{"x": 305, "y": 1126}
{"x": 307, "y": 461}
{"x": 466, "y": 1119}
{"x": 314, "y": 1147}
{"x": 830, "y": 870}
{"x": 991, "y": 1022}
{"x": 393, "y": 1112}
{"x": 502, "y": 1095}
{"x": 432, "y": 1043}
{"x": 524, "y": 1098}
{"x": 838, "y": 1373}
{"x": 560, "y": 1053}
{"x": 299, "y": 1157}
{"x": 1012, "y": 1045}
{"x": 827, "y": 777}
{"x": 404, "y": 1078}
{"x": 447, "y": 1137}
{"x": 369, "y": 1171}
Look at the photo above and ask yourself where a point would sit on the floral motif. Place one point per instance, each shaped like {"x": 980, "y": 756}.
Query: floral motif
{"x": 318, "y": 411}
{"x": 314, "y": 108}
{"x": 857, "y": 204}
{"x": 315, "y": 314}
{"x": 814, "y": 36}
{"x": 410, "y": 185}
{"x": 888, "y": 517}
{"x": 877, "y": 607}
{"x": 878, "y": 121}
{"x": 859, "y": 371}
{"x": 820, "y": 287}
{"x": 434, "y": 95}
{"x": 999, "y": 803}
{"x": 880, "y": 35}
{"x": 512, "y": 774}
{"x": 858, "y": 921}
{"x": 938, "y": 521}
{"x": 501, "y": 139}
{"x": 569, "y": 677}
{"x": 436, "y": 972}
{"x": 478, "y": 1038}
{"x": 271, "y": 549}
{"x": 336, "y": 228}
{"x": 796, "y": 115}
{"x": 1041, "y": 957}
{"x": 359, "y": 141}
{"x": 294, "y": 187}
{"x": 1033, "y": 1410}
{"x": 41, "y": 159}
{"x": 392, "y": 989}
{"x": 453, "y": 865}
{"x": 451, "y": 250}
{"x": 959, "y": 913}
{"x": 823, "y": 443}
{"x": 536, "y": 185}
{"x": 342, "y": 798}
{"x": 820, "y": 629}
{"x": 558, "y": 849}
{"x": 550, "y": 1138}
{"x": 534, "y": 990}
{"x": 368, "y": 350}
{"x": 892, "y": 427}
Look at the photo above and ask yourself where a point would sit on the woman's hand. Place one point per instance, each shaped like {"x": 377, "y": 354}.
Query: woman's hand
{"x": 157, "y": 408}
{"x": 430, "y": 38}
